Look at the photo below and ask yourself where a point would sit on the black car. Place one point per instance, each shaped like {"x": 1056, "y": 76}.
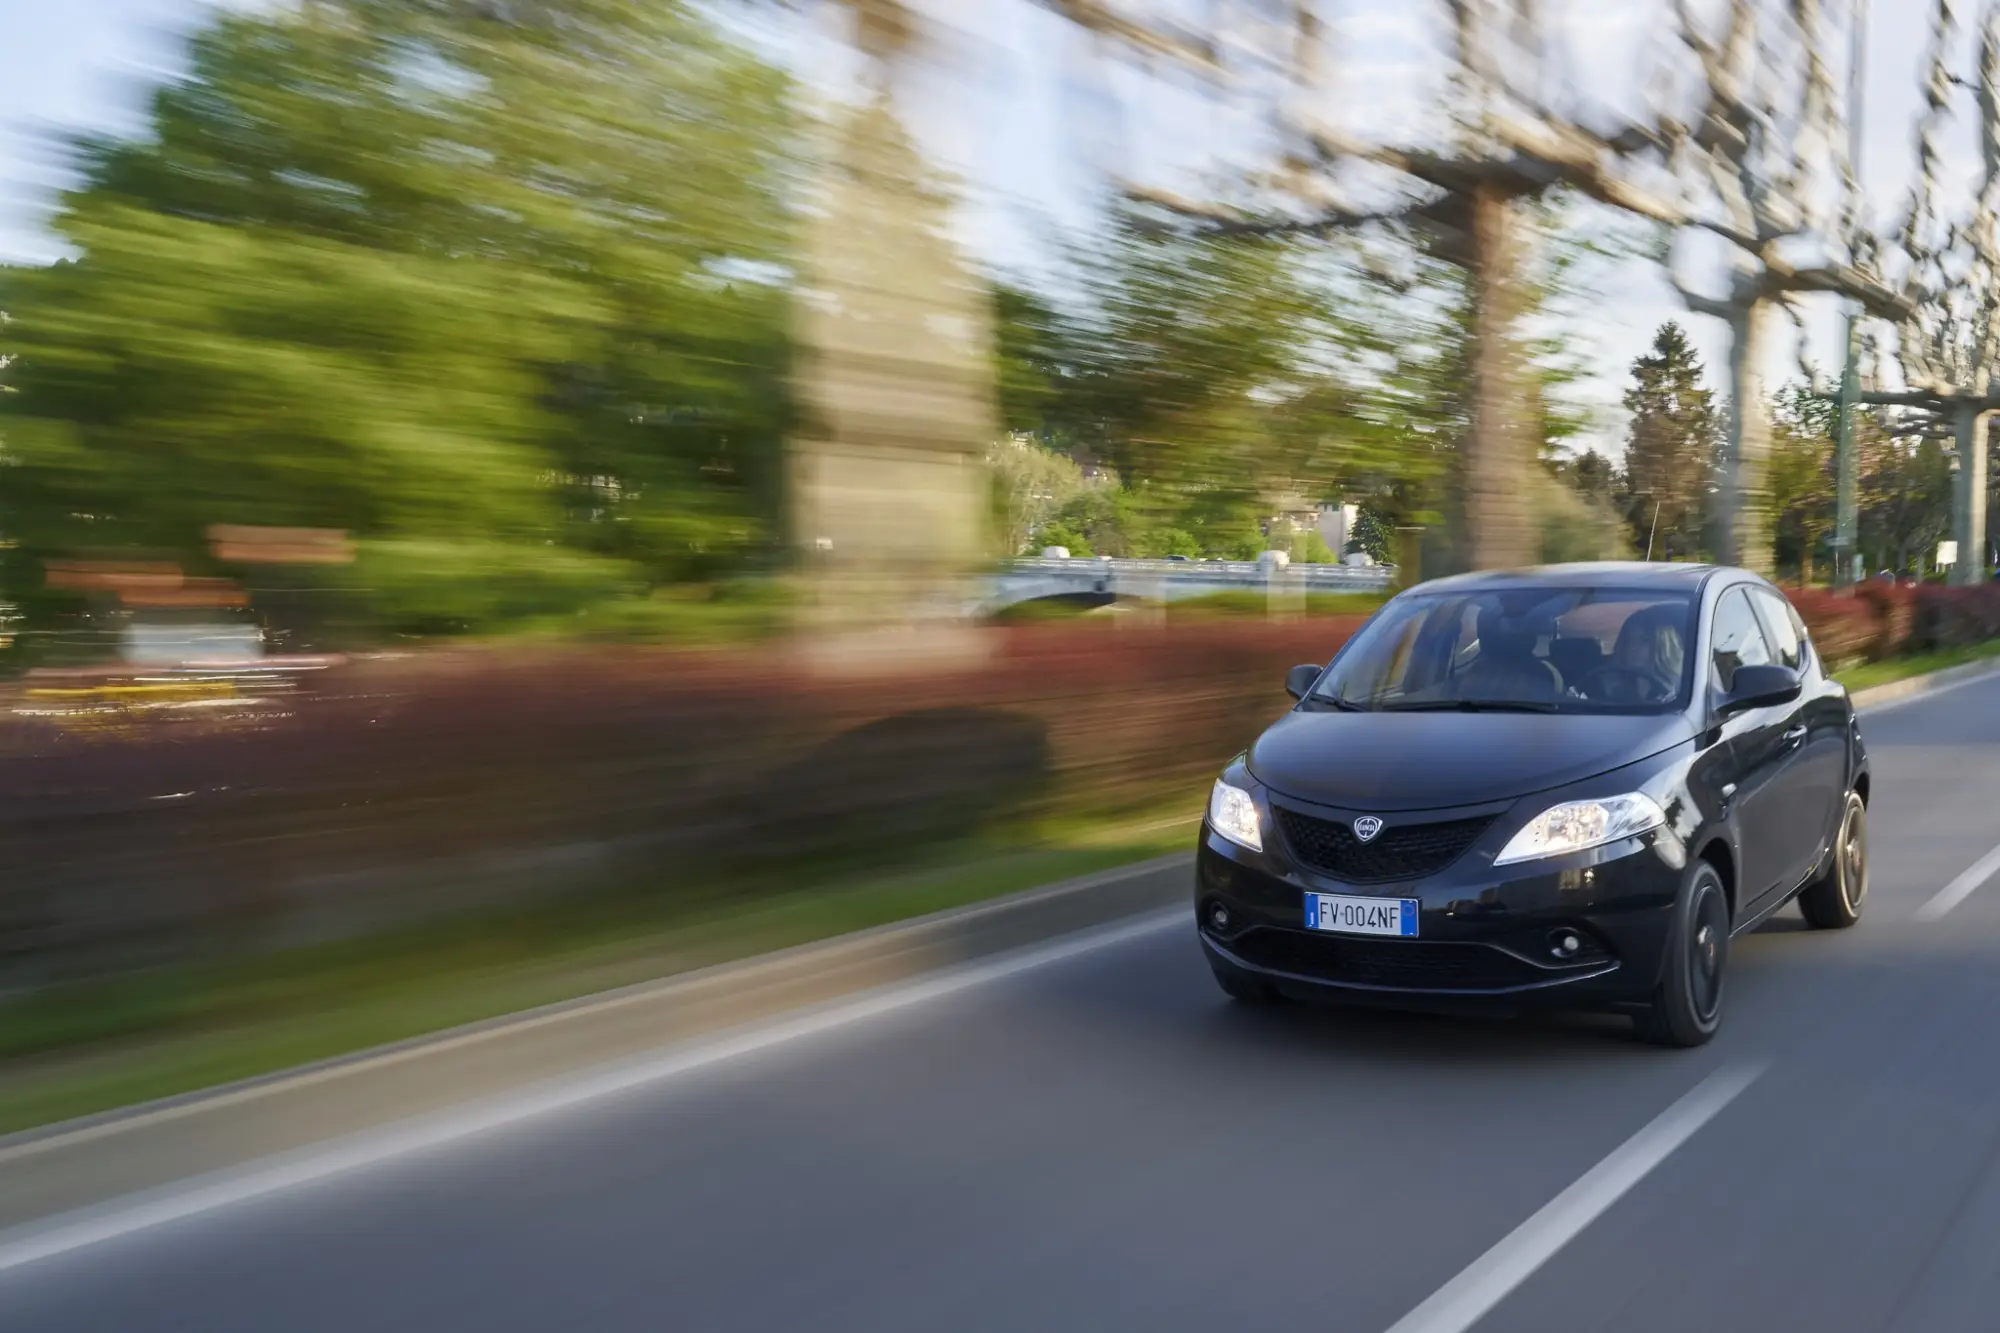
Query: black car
{"x": 1564, "y": 786}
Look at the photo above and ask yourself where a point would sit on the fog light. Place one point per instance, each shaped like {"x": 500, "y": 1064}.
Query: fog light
{"x": 1218, "y": 917}
{"x": 1565, "y": 943}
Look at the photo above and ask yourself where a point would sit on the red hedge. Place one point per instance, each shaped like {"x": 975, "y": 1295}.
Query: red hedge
{"x": 405, "y": 787}
{"x": 1881, "y": 620}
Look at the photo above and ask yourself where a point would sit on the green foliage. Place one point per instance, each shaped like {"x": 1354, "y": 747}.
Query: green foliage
{"x": 1906, "y": 488}
{"x": 1215, "y": 374}
{"x": 487, "y": 295}
{"x": 1800, "y": 475}
{"x": 1372, "y": 535}
{"x": 1031, "y": 485}
{"x": 1059, "y": 533}
{"x": 1037, "y": 358}
{"x": 1310, "y": 548}
{"x": 1578, "y": 526}
{"x": 1158, "y": 543}
{"x": 1104, "y": 518}
{"x": 1670, "y": 448}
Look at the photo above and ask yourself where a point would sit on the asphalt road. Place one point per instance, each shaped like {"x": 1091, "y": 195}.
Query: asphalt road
{"x": 1101, "y": 1143}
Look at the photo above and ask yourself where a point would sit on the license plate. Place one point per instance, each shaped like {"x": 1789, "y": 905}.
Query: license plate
{"x": 1361, "y": 916}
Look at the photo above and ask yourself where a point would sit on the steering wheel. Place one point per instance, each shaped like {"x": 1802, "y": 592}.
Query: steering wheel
{"x": 1646, "y": 687}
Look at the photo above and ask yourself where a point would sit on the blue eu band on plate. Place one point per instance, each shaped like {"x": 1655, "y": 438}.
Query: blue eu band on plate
{"x": 1361, "y": 916}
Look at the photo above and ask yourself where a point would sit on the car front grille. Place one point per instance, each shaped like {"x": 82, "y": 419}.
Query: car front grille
{"x": 1399, "y": 851}
{"x": 1397, "y": 964}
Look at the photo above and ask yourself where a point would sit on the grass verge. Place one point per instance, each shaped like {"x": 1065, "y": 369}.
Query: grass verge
{"x": 1870, "y": 674}
{"x": 72, "y": 1051}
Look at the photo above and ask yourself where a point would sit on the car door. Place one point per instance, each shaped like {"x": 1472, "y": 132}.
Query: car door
{"x": 1820, "y": 778}
{"x": 1763, "y": 745}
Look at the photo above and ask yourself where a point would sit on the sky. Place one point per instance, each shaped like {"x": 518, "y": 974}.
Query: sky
{"x": 1010, "y": 102}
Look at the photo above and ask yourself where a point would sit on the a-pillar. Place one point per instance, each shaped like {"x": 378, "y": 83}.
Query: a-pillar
{"x": 1969, "y": 495}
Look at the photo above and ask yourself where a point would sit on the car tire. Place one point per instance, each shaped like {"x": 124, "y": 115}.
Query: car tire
{"x": 1242, "y": 989}
{"x": 1686, "y": 1008}
{"x": 1834, "y": 900}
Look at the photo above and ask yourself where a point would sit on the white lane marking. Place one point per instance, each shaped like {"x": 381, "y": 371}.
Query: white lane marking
{"x": 206, "y": 1194}
{"x": 1956, "y": 892}
{"x": 1463, "y": 1301}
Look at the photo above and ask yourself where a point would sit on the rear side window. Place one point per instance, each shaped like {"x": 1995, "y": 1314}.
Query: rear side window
{"x": 1738, "y": 640}
{"x": 1780, "y": 626}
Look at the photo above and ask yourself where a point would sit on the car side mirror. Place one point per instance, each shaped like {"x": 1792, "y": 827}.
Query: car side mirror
{"x": 1300, "y": 679}
{"x": 1759, "y": 687}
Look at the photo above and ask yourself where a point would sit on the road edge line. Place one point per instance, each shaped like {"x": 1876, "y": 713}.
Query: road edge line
{"x": 997, "y": 917}
{"x": 83, "y": 1228}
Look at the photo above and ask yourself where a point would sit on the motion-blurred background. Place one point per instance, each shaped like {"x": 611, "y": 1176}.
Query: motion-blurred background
{"x": 505, "y": 496}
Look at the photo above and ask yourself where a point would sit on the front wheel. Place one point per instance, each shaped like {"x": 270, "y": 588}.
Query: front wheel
{"x": 1686, "y": 1009}
{"x": 1834, "y": 900}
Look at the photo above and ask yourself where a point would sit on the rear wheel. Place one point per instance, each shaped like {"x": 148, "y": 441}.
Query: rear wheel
{"x": 1834, "y": 900}
{"x": 1686, "y": 1009}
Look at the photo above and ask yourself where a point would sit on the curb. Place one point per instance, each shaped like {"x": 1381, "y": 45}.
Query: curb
{"x": 91, "y": 1160}
{"x": 1914, "y": 687}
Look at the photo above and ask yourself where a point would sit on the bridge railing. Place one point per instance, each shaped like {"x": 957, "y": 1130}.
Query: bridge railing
{"x": 1243, "y": 571}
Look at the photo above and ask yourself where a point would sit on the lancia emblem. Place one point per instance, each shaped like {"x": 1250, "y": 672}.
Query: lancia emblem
{"x": 1366, "y": 827}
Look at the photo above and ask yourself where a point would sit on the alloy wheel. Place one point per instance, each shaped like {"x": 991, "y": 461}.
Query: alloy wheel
{"x": 1708, "y": 947}
{"x": 1854, "y": 854}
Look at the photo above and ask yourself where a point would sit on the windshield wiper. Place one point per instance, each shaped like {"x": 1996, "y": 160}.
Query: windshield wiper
{"x": 1344, "y": 705}
{"x": 1472, "y": 706}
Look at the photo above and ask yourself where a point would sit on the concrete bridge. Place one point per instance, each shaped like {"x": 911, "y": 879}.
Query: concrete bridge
{"x": 1102, "y": 581}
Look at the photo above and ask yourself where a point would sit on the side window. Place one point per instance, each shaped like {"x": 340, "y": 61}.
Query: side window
{"x": 1779, "y": 627}
{"x": 1737, "y": 641}
{"x": 1804, "y": 634}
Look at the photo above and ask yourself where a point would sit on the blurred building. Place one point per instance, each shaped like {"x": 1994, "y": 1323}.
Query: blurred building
{"x": 890, "y": 498}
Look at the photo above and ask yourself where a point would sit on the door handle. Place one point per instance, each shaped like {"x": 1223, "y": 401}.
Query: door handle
{"x": 1795, "y": 735}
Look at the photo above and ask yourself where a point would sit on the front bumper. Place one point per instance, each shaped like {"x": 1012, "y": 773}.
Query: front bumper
{"x": 1485, "y": 933}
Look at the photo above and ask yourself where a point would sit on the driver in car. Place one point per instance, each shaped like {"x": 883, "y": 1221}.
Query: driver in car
{"x": 1645, "y": 666}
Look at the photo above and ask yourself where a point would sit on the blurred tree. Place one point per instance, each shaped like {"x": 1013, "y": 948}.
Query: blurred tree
{"x": 502, "y": 296}
{"x": 1801, "y": 476}
{"x": 1905, "y": 498}
{"x": 1310, "y": 548}
{"x": 1593, "y": 475}
{"x": 1106, "y": 519}
{"x": 1031, "y": 485}
{"x": 1040, "y": 367}
{"x": 1472, "y": 176}
{"x": 1059, "y": 533}
{"x": 1372, "y": 536}
{"x": 1670, "y": 446}
{"x": 1159, "y": 543}
{"x": 1214, "y": 374}
{"x": 1577, "y": 526}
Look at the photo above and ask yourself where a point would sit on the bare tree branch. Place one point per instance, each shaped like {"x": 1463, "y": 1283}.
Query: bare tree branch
{"x": 1185, "y": 49}
{"x": 1723, "y": 308}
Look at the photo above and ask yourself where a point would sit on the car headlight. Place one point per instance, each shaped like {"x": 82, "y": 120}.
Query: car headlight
{"x": 1233, "y": 814}
{"x": 1574, "y": 826}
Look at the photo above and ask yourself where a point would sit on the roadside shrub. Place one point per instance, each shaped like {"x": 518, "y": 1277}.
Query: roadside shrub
{"x": 413, "y": 786}
{"x": 1895, "y": 611}
{"x": 1843, "y": 628}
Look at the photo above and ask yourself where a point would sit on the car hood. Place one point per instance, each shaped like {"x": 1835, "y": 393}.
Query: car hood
{"x": 1426, "y": 761}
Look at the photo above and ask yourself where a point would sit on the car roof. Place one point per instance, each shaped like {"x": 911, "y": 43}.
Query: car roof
{"x": 1593, "y": 574}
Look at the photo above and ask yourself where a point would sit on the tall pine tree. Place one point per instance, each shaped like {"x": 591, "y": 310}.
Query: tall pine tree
{"x": 1670, "y": 446}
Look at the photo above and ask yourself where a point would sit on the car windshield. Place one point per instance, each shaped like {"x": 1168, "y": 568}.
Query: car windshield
{"x": 1527, "y": 649}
